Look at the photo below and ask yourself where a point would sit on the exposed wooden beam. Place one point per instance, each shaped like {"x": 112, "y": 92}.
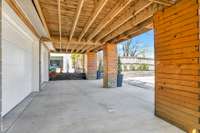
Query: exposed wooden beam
{"x": 130, "y": 13}
{"x": 140, "y": 27}
{"x": 98, "y": 47}
{"x": 55, "y": 39}
{"x": 79, "y": 43}
{"x": 76, "y": 47}
{"x": 61, "y": 51}
{"x": 140, "y": 18}
{"x": 149, "y": 26}
{"x": 84, "y": 49}
{"x": 130, "y": 34}
{"x": 59, "y": 23}
{"x": 163, "y": 2}
{"x": 41, "y": 15}
{"x": 96, "y": 12}
{"x": 80, "y": 48}
{"x": 91, "y": 48}
{"x": 80, "y": 5}
{"x": 134, "y": 31}
{"x": 143, "y": 30}
{"x": 137, "y": 29}
{"x": 78, "y": 11}
{"x": 115, "y": 11}
{"x": 121, "y": 31}
{"x": 16, "y": 8}
{"x": 76, "y": 44}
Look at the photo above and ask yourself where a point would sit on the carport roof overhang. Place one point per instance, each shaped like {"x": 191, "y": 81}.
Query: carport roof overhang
{"x": 86, "y": 25}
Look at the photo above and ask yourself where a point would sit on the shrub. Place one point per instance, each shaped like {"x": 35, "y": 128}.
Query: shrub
{"x": 100, "y": 67}
{"x": 132, "y": 67}
{"x": 143, "y": 67}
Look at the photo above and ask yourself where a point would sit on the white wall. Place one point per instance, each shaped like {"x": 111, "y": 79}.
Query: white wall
{"x": 35, "y": 66}
{"x": 44, "y": 64}
{"x": 20, "y": 60}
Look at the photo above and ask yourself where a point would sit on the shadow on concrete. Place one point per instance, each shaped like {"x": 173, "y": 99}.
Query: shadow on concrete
{"x": 69, "y": 76}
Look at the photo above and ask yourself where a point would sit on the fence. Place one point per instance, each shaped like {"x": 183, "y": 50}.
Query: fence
{"x": 137, "y": 63}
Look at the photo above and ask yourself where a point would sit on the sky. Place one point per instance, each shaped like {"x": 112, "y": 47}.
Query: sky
{"x": 145, "y": 40}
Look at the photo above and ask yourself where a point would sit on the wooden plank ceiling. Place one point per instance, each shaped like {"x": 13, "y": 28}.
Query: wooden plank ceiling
{"x": 85, "y": 25}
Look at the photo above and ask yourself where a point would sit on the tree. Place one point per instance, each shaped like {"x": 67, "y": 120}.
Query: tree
{"x": 119, "y": 65}
{"x": 131, "y": 49}
{"x": 126, "y": 48}
{"x": 100, "y": 67}
{"x": 76, "y": 61}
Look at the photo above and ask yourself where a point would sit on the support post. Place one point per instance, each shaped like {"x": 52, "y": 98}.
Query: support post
{"x": 40, "y": 70}
{"x": 110, "y": 65}
{"x": 91, "y": 65}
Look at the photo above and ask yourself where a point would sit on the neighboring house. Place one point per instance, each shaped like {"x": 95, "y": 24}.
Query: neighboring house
{"x": 61, "y": 61}
{"x": 64, "y": 63}
{"x": 137, "y": 63}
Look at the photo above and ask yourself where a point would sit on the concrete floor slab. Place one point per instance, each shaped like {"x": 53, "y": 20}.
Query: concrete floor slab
{"x": 85, "y": 107}
{"x": 15, "y": 113}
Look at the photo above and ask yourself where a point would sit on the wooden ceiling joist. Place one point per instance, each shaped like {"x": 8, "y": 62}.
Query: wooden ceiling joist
{"x": 98, "y": 47}
{"x": 86, "y": 25}
{"x": 140, "y": 27}
{"x": 97, "y": 10}
{"x": 76, "y": 47}
{"x": 84, "y": 49}
{"x": 126, "y": 35}
{"x": 65, "y": 40}
{"x": 130, "y": 13}
{"x": 92, "y": 48}
{"x": 141, "y": 17}
{"x": 78, "y": 11}
{"x": 80, "y": 5}
{"x": 59, "y": 22}
{"x": 138, "y": 32}
{"x": 111, "y": 15}
{"x": 74, "y": 44}
{"x": 163, "y": 2}
{"x": 80, "y": 48}
{"x": 129, "y": 35}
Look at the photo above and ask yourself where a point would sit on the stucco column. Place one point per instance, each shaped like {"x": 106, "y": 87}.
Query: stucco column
{"x": 91, "y": 65}
{"x": 110, "y": 66}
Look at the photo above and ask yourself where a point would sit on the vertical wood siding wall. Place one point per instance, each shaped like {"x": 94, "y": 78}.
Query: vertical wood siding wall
{"x": 177, "y": 64}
